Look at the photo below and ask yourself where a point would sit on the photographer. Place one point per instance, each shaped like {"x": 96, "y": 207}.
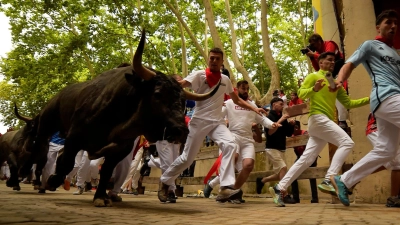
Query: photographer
{"x": 318, "y": 46}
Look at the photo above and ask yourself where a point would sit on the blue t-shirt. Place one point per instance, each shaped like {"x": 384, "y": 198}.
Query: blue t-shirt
{"x": 56, "y": 139}
{"x": 384, "y": 62}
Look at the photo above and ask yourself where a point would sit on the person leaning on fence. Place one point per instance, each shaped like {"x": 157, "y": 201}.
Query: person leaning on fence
{"x": 382, "y": 63}
{"x": 321, "y": 128}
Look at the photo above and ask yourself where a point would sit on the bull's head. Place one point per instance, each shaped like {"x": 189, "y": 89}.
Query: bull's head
{"x": 165, "y": 98}
{"x": 26, "y": 136}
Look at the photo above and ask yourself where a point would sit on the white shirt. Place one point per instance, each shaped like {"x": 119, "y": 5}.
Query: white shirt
{"x": 209, "y": 109}
{"x": 240, "y": 119}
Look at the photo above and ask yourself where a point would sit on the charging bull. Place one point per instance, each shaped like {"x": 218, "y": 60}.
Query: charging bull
{"x": 13, "y": 146}
{"x": 105, "y": 115}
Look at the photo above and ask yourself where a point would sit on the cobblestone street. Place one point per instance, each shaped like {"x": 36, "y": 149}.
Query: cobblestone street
{"x": 61, "y": 207}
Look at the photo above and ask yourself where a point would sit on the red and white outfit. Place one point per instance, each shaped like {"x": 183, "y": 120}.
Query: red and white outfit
{"x": 240, "y": 121}
{"x": 207, "y": 120}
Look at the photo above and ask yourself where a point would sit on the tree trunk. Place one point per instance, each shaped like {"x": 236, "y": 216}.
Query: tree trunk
{"x": 269, "y": 59}
{"x": 303, "y": 34}
{"x": 171, "y": 50}
{"x": 187, "y": 29}
{"x": 215, "y": 36}
{"x": 183, "y": 46}
{"x": 235, "y": 58}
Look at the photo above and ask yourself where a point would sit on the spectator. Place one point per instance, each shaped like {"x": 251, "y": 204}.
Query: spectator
{"x": 295, "y": 100}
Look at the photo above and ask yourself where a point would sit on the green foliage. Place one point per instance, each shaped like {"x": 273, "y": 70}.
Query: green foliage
{"x": 60, "y": 42}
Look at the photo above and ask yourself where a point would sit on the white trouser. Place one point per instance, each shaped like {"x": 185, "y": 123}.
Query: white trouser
{"x": 94, "y": 167}
{"x": 50, "y": 166}
{"x": 385, "y": 149}
{"x": 133, "y": 169}
{"x": 167, "y": 153}
{"x": 342, "y": 111}
{"x": 81, "y": 169}
{"x": 394, "y": 164}
{"x": 5, "y": 170}
{"x": 198, "y": 129}
{"x": 154, "y": 162}
{"x": 245, "y": 149}
{"x": 121, "y": 170}
{"x": 33, "y": 169}
{"x": 321, "y": 131}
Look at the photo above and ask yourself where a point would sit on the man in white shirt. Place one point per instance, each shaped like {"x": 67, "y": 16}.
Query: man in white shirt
{"x": 240, "y": 124}
{"x": 207, "y": 120}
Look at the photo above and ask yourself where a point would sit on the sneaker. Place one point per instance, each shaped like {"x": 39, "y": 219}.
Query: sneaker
{"x": 207, "y": 190}
{"x": 227, "y": 194}
{"x": 259, "y": 185}
{"x": 67, "y": 185}
{"x": 171, "y": 197}
{"x": 134, "y": 192}
{"x": 341, "y": 190}
{"x": 277, "y": 196}
{"x": 88, "y": 186}
{"x": 163, "y": 192}
{"x": 288, "y": 200}
{"x": 393, "y": 202}
{"x": 79, "y": 191}
{"x": 42, "y": 191}
{"x": 126, "y": 192}
{"x": 326, "y": 187}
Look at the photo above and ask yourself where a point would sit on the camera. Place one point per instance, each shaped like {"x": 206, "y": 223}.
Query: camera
{"x": 305, "y": 50}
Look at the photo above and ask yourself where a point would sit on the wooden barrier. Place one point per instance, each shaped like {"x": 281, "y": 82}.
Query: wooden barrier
{"x": 297, "y": 110}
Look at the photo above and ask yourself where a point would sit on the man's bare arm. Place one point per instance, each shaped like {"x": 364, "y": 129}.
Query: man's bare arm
{"x": 184, "y": 83}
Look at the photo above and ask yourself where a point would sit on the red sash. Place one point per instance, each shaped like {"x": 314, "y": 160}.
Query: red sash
{"x": 214, "y": 169}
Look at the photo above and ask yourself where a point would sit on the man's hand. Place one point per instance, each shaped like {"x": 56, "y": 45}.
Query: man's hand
{"x": 318, "y": 85}
{"x": 310, "y": 53}
{"x": 339, "y": 84}
{"x": 275, "y": 125}
{"x": 259, "y": 111}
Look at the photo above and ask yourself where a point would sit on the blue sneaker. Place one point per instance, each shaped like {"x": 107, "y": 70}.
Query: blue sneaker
{"x": 207, "y": 190}
{"x": 341, "y": 190}
{"x": 277, "y": 196}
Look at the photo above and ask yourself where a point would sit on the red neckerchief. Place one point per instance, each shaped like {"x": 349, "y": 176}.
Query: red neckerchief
{"x": 278, "y": 113}
{"x": 384, "y": 40}
{"x": 212, "y": 77}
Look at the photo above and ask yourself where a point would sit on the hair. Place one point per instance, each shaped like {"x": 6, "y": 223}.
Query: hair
{"x": 240, "y": 83}
{"x": 325, "y": 54}
{"x": 294, "y": 93}
{"x": 226, "y": 72}
{"x": 386, "y": 14}
{"x": 217, "y": 50}
{"x": 275, "y": 100}
{"x": 315, "y": 37}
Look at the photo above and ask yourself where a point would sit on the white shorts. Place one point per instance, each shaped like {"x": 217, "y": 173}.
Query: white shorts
{"x": 392, "y": 165}
{"x": 245, "y": 147}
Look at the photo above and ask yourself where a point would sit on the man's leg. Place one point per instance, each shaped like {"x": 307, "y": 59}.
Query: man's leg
{"x": 82, "y": 173}
{"x": 245, "y": 162}
{"x": 133, "y": 168}
{"x": 388, "y": 122}
{"x": 167, "y": 153}
{"x": 48, "y": 168}
{"x": 223, "y": 137}
{"x": 198, "y": 129}
{"x": 154, "y": 162}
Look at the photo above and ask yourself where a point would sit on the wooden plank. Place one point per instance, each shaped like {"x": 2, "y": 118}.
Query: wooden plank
{"x": 297, "y": 110}
{"x": 290, "y": 143}
{"x": 297, "y": 141}
{"x": 312, "y": 172}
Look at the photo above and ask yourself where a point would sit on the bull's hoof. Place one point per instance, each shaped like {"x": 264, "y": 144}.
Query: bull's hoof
{"x": 11, "y": 183}
{"x": 16, "y": 188}
{"x": 99, "y": 202}
{"x": 54, "y": 181}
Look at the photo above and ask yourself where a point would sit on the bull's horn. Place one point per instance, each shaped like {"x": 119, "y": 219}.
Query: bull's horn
{"x": 202, "y": 97}
{"x": 142, "y": 71}
{"x": 24, "y": 118}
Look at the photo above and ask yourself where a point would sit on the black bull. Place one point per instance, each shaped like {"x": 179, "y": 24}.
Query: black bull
{"x": 104, "y": 116}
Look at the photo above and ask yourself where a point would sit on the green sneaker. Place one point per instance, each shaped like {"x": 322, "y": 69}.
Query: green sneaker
{"x": 277, "y": 196}
{"x": 341, "y": 189}
{"x": 326, "y": 187}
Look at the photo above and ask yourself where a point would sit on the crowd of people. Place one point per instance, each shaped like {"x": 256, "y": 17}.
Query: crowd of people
{"x": 231, "y": 120}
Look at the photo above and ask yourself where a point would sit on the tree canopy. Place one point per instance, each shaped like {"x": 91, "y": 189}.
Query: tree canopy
{"x": 61, "y": 42}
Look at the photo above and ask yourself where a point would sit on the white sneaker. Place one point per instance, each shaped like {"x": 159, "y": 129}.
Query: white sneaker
{"x": 79, "y": 191}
